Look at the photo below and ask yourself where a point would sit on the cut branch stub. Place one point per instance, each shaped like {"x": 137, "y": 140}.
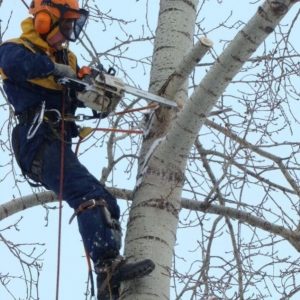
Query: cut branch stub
{"x": 206, "y": 42}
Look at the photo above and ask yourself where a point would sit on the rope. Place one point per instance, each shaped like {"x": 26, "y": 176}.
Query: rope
{"x": 150, "y": 106}
{"x": 130, "y": 131}
{"x": 85, "y": 131}
{"x": 60, "y": 196}
{"x": 90, "y": 272}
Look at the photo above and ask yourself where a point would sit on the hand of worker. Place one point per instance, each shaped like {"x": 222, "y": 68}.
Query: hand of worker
{"x": 61, "y": 70}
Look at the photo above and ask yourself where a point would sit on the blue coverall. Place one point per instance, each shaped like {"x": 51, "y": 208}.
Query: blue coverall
{"x": 19, "y": 64}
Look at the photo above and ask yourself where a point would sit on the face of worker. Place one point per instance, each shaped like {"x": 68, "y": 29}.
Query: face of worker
{"x": 55, "y": 39}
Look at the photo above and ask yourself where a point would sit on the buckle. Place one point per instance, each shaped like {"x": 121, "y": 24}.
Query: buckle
{"x": 89, "y": 204}
{"x": 93, "y": 204}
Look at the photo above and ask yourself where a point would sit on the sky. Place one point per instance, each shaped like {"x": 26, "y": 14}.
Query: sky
{"x": 40, "y": 225}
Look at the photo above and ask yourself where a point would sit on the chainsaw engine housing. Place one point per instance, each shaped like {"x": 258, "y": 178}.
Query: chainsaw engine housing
{"x": 103, "y": 94}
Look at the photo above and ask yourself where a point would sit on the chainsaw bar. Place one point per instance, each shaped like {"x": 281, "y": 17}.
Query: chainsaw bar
{"x": 148, "y": 96}
{"x": 111, "y": 83}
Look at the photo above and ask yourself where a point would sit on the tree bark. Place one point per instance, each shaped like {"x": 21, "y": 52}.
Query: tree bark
{"x": 151, "y": 229}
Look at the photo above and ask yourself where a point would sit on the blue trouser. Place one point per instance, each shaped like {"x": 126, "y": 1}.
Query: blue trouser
{"x": 78, "y": 186}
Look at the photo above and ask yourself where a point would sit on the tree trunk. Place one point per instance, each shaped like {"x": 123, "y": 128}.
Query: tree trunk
{"x": 151, "y": 230}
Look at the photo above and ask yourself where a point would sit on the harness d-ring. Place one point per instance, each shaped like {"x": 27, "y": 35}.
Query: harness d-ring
{"x": 58, "y": 116}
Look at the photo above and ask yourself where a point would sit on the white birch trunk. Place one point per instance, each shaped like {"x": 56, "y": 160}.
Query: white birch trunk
{"x": 151, "y": 230}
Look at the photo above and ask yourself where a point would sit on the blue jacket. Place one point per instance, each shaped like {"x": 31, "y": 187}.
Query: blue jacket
{"x": 26, "y": 69}
{"x": 19, "y": 64}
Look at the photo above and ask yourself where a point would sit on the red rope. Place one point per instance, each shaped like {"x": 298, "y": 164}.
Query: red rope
{"x": 60, "y": 196}
{"x": 130, "y": 131}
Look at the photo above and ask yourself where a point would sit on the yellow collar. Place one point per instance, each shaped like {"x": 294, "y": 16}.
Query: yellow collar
{"x": 30, "y": 34}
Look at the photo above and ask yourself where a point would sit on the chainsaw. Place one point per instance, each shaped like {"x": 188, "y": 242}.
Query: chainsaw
{"x": 101, "y": 91}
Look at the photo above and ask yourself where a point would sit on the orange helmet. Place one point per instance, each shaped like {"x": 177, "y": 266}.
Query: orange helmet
{"x": 49, "y": 13}
{"x": 53, "y": 7}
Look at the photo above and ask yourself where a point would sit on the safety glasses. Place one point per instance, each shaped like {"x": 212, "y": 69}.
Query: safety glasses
{"x": 71, "y": 21}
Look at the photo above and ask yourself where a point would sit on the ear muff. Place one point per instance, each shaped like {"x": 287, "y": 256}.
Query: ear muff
{"x": 42, "y": 22}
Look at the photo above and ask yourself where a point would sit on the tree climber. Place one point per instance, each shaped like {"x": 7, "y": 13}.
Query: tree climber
{"x": 29, "y": 67}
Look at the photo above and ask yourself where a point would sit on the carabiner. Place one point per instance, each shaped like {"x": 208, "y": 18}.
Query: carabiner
{"x": 37, "y": 121}
{"x": 82, "y": 117}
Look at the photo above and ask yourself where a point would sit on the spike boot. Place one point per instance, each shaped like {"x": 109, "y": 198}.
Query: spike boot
{"x": 113, "y": 272}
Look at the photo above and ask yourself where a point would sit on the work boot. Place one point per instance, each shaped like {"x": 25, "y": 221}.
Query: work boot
{"x": 113, "y": 272}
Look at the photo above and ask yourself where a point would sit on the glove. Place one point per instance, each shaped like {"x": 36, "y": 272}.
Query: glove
{"x": 61, "y": 70}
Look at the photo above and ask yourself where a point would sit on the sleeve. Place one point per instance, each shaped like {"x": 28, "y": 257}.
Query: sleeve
{"x": 20, "y": 64}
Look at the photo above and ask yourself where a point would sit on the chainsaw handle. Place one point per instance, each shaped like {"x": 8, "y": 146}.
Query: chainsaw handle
{"x": 111, "y": 71}
{"x": 84, "y": 71}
